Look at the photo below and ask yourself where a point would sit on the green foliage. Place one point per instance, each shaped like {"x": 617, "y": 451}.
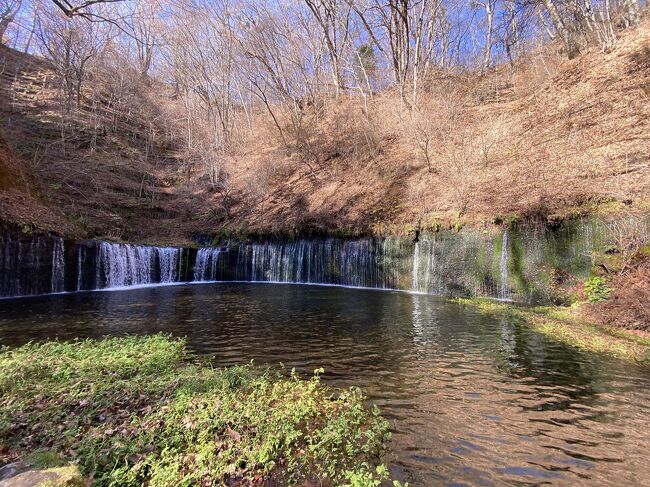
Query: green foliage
{"x": 596, "y": 289}
{"x": 138, "y": 411}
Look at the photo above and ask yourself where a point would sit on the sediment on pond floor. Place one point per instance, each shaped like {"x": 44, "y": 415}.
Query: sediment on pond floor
{"x": 569, "y": 325}
{"x": 143, "y": 411}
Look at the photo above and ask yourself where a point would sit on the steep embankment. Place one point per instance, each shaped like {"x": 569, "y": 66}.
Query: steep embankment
{"x": 545, "y": 138}
{"x": 18, "y": 206}
{"x": 108, "y": 165}
{"x": 524, "y": 143}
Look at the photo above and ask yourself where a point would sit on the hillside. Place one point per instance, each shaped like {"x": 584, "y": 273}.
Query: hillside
{"x": 579, "y": 137}
{"x": 545, "y": 138}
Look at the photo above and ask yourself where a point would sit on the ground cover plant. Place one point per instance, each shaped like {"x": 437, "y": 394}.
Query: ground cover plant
{"x": 144, "y": 411}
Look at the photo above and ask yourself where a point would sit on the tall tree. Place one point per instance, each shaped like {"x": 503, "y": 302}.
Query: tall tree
{"x": 333, "y": 17}
{"x": 8, "y": 11}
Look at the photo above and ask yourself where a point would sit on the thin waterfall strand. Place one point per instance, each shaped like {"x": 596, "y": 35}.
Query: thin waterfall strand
{"x": 58, "y": 266}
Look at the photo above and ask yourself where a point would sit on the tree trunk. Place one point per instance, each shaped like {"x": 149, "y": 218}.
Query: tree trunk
{"x": 489, "y": 14}
{"x": 631, "y": 13}
{"x": 566, "y": 32}
{"x": 6, "y": 19}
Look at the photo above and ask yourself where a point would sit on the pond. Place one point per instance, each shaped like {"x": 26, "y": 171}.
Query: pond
{"x": 471, "y": 399}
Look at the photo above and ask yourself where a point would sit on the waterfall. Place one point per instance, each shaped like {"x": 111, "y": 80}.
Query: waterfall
{"x": 466, "y": 263}
{"x": 31, "y": 264}
{"x": 205, "y": 265}
{"x": 504, "y": 289}
{"x": 58, "y": 266}
{"x": 81, "y": 252}
{"x": 415, "y": 283}
{"x": 169, "y": 258}
{"x": 120, "y": 265}
{"x": 360, "y": 263}
{"x": 424, "y": 275}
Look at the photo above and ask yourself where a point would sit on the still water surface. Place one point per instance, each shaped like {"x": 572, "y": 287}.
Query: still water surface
{"x": 472, "y": 400}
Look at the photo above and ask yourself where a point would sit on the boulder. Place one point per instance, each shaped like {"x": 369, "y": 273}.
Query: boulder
{"x": 52, "y": 477}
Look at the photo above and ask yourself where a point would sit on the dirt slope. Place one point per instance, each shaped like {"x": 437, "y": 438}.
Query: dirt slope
{"x": 580, "y": 137}
{"x": 547, "y": 139}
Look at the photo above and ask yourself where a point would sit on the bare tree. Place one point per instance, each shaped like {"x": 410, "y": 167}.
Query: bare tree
{"x": 146, "y": 34}
{"x": 630, "y": 13}
{"x": 490, "y": 7}
{"x": 71, "y": 44}
{"x": 8, "y": 11}
{"x": 406, "y": 33}
{"x": 200, "y": 54}
{"x": 333, "y": 17}
{"x": 563, "y": 26}
{"x": 82, "y": 9}
{"x": 280, "y": 67}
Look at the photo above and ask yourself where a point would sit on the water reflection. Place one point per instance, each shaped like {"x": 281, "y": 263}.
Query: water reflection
{"x": 472, "y": 400}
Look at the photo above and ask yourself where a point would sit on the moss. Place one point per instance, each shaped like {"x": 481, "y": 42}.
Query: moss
{"x": 43, "y": 459}
{"x": 431, "y": 223}
{"x": 142, "y": 411}
{"x": 517, "y": 266}
{"x": 566, "y": 325}
{"x": 496, "y": 254}
{"x": 64, "y": 477}
{"x": 508, "y": 220}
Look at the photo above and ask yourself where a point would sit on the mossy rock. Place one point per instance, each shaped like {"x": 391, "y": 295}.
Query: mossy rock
{"x": 608, "y": 262}
{"x": 53, "y": 477}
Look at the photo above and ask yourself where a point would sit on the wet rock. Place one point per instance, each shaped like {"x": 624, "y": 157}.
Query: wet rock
{"x": 13, "y": 469}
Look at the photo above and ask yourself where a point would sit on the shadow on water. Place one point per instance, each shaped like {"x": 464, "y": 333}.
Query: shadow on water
{"x": 472, "y": 399}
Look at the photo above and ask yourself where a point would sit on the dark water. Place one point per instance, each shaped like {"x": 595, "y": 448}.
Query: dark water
{"x": 472, "y": 400}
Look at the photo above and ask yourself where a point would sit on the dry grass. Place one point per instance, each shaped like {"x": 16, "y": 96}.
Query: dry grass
{"x": 629, "y": 305}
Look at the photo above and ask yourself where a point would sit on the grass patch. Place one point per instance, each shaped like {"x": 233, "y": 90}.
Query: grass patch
{"x": 141, "y": 411}
{"x": 566, "y": 325}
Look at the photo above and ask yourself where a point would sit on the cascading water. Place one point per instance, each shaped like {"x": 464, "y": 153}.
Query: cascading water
{"x": 415, "y": 283}
{"x": 58, "y": 266}
{"x": 169, "y": 259}
{"x": 81, "y": 252}
{"x": 120, "y": 265}
{"x": 466, "y": 263}
{"x": 424, "y": 272}
{"x": 30, "y": 264}
{"x": 360, "y": 263}
{"x": 205, "y": 265}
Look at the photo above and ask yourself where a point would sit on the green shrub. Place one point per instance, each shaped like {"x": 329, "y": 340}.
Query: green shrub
{"x": 596, "y": 289}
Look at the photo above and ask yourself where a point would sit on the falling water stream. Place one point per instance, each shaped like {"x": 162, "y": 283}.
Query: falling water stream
{"x": 416, "y": 264}
{"x": 58, "y": 266}
{"x": 122, "y": 265}
{"x": 504, "y": 264}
